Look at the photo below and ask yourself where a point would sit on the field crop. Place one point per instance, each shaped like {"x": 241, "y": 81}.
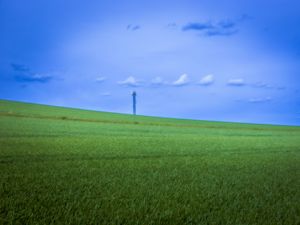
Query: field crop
{"x": 71, "y": 166}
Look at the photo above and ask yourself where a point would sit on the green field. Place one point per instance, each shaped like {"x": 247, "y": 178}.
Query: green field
{"x": 71, "y": 166}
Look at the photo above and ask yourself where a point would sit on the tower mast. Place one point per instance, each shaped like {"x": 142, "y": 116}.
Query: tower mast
{"x": 134, "y": 102}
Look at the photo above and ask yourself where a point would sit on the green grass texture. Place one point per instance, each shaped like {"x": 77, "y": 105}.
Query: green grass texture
{"x": 70, "y": 166}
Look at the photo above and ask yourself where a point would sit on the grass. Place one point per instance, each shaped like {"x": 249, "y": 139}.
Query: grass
{"x": 70, "y": 166}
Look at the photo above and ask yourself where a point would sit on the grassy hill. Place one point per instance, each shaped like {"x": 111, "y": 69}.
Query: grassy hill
{"x": 70, "y": 166}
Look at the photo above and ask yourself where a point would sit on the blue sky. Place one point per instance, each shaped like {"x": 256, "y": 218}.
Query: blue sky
{"x": 212, "y": 60}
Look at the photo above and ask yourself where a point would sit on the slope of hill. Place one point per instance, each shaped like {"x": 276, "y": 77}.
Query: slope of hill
{"x": 70, "y": 166}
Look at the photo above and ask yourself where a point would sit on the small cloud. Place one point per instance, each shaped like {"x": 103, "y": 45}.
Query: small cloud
{"x": 280, "y": 88}
{"x": 137, "y": 27}
{"x": 41, "y": 78}
{"x": 261, "y": 85}
{"x": 157, "y": 81}
{"x": 171, "y": 25}
{"x": 221, "y": 32}
{"x": 236, "y": 82}
{"x": 207, "y": 80}
{"x": 23, "y": 74}
{"x": 259, "y": 100}
{"x": 245, "y": 17}
{"x": 218, "y": 28}
{"x": 105, "y": 94}
{"x": 133, "y": 27}
{"x": 226, "y": 24}
{"x": 267, "y": 86}
{"x": 129, "y": 81}
{"x": 182, "y": 80}
{"x": 100, "y": 79}
{"x": 197, "y": 26}
{"x": 19, "y": 67}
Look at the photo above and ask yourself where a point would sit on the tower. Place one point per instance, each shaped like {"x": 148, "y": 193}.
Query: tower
{"x": 134, "y": 102}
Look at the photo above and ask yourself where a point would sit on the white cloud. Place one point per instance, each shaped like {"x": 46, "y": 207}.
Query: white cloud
{"x": 259, "y": 100}
{"x": 207, "y": 80}
{"x": 157, "y": 81}
{"x": 262, "y": 85}
{"x": 268, "y": 86}
{"x": 105, "y": 94}
{"x": 236, "y": 82}
{"x": 130, "y": 81}
{"x": 100, "y": 79}
{"x": 182, "y": 80}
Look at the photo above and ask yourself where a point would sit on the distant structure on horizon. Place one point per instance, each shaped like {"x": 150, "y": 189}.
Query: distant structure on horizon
{"x": 134, "y": 102}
